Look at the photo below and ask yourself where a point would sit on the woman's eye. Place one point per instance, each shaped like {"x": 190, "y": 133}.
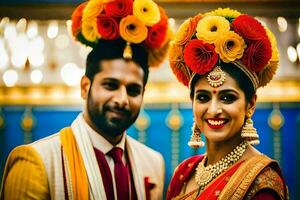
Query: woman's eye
{"x": 229, "y": 98}
{"x": 202, "y": 98}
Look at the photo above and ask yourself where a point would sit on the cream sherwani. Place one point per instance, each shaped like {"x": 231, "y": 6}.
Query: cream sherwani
{"x": 35, "y": 171}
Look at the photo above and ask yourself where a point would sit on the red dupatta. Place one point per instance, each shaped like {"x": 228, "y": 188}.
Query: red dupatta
{"x": 184, "y": 172}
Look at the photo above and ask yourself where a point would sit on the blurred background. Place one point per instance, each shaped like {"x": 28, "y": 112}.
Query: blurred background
{"x": 41, "y": 66}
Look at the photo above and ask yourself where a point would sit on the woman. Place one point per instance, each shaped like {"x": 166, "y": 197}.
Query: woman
{"x": 224, "y": 56}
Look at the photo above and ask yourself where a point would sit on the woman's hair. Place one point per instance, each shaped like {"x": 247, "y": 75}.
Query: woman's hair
{"x": 113, "y": 49}
{"x": 242, "y": 80}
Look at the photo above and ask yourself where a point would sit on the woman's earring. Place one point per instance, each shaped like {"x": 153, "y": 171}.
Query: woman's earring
{"x": 249, "y": 133}
{"x": 196, "y": 141}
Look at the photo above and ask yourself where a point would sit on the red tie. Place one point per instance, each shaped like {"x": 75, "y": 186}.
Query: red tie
{"x": 121, "y": 174}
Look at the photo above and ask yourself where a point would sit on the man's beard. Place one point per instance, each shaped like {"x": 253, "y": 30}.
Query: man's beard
{"x": 101, "y": 121}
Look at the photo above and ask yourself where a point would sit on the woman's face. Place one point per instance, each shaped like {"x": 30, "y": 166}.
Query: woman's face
{"x": 220, "y": 112}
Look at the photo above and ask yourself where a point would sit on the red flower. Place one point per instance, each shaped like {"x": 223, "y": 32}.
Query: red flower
{"x": 257, "y": 55}
{"x": 156, "y": 35}
{"x": 158, "y": 32}
{"x": 119, "y": 8}
{"x": 200, "y": 57}
{"x": 76, "y": 18}
{"x": 108, "y": 27}
{"x": 249, "y": 28}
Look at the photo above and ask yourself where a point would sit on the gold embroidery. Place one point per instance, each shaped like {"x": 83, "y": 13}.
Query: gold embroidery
{"x": 267, "y": 179}
{"x": 237, "y": 187}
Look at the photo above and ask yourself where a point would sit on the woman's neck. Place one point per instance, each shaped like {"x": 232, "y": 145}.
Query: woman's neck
{"x": 215, "y": 151}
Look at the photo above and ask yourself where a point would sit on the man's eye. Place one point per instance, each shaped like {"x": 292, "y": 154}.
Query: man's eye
{"x": 134, "y": 91}
{"x": 110, "y": 86}
{"x": 229, "y": 98}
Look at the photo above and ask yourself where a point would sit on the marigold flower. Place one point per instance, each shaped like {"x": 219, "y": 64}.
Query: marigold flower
{"x": 257, "y": 55}
{"x": 269, "y": 71}
{"x": 147, "y": 11}
{"x": 76, "y": 18}
{"x": 177, "y": 65}
{"x": 228, "y": 13}
{"x": 163, "y": 15}
{"x": 210, "y": 28}
{"x": 186, "y": 30}
{"x": 119, "y": 8}
{"x": 275, "y": 53}
{"x": 89, "y": 30}
{"x": 249, "y": 28}
{"x": 107, "y": 27}
{"x": 156, "y": 35}
{"x": 92, "y": 9}
{"x": 158, "y": 32}
{"x": 132, "y": 29}
{"x": 200, "y": 57}
{"x": 230, "y": 46}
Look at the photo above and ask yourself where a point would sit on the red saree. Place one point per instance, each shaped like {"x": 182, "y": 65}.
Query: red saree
{"x": 240, "y": 181}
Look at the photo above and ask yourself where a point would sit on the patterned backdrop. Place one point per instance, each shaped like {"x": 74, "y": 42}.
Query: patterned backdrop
{"x": 166, "y": 128}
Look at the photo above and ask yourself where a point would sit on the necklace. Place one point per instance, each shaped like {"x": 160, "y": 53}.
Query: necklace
{"x": 205, "y": 175}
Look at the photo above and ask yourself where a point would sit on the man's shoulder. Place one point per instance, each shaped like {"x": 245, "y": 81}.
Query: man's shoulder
{"x": 48, "y": 142}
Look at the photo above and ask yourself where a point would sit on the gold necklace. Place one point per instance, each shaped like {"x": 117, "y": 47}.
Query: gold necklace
{"x": 205, "y": 175}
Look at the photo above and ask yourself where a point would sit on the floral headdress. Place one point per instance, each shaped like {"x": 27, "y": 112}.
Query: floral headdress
{"x": 135, "y": 21}
{"x": 224, "y": 35}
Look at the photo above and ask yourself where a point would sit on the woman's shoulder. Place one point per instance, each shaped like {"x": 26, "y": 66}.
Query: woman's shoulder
{"x": 182, "y": 174}
{"x": 269, "y": 181}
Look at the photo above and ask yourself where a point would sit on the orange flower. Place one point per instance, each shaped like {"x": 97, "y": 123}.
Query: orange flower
{"x": 76, "y": 18}
{"x": 187, "y": 30}
{"x": 89, "y": 30}
{"x": 92, "y": 9}
{"x": 181, "y": 71}
{"x": 133, "y": 30}
{"x": 230, "y": 46}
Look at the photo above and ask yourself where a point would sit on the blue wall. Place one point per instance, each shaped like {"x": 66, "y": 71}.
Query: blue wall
{"x": 51, "y": 119}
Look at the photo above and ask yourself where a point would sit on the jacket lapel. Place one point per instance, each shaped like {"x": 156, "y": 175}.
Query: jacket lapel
{"x": 137, "y": 171}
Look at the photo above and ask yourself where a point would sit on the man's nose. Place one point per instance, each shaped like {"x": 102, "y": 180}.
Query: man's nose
{"x": 121, "y": 97}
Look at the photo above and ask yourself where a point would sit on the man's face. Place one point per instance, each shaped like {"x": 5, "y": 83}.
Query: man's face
{"x": 114, "y": 97}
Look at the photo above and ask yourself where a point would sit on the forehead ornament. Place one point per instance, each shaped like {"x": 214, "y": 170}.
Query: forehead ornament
{"x": 216, "y": 77}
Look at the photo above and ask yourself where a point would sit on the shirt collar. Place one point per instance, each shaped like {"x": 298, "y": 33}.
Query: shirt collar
{"x": 98, "y": 141}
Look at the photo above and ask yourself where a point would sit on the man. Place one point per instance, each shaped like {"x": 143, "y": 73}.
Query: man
{"x": 94, "y": 158}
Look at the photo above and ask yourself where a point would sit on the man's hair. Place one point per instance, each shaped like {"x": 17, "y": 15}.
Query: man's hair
{"x": 113, "y": 49}
{"x": 240, "y": 77}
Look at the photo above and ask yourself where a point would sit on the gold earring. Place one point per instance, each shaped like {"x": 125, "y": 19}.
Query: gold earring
{"x": 196, "y": 141}
{"x": 249, "y": 133}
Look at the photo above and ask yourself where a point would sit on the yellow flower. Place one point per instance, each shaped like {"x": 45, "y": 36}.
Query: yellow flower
{"x": 275, "y": 54}
{"x": 230, "y": 46}
{"x": 210, "y": 28}
{"x": 92, "y": 9}
{"x": 89, "y": 29}
{"x": 224, "y": 12}
{"x": 147, "y": 11}
{"x": 89, "y": 19}
{"x": 132, "y": 29}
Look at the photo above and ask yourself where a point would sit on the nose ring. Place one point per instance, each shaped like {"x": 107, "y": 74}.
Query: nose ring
{"x": 219, "y": 110}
